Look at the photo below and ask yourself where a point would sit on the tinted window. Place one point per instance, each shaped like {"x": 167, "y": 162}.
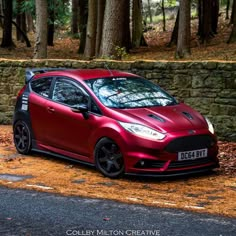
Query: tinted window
{"x": 131, "y": 92}
{"x": 68, "y": 93}
{"x": 42, "y": 86}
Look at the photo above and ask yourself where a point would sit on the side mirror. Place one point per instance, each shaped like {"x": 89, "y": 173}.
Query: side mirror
{"x": 81, "y": 108}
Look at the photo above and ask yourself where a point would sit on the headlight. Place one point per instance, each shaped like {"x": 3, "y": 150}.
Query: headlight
{"x": 210, "y": 125}
{"x": 142, "y": 131}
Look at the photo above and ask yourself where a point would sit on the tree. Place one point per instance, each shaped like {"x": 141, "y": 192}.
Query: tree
{"x": 208, "y": 12}
{"x": 7, "y": 29}
{"x": 20, "y": 19}
{"x": 83, "y": 17}
{"x": 227, "y": 10}
{"x": 90, "y": 45}
{"x": 149, "y": 11}
{"x": 40, "y": 49}
{"x": 174, "y": 35}
{"x": 51, "y": 19}
{"x": 137, "y": 23}
{"x": 215, "y": 15}
{"x": 75, "y": 17}
{"x": 232, "y": 38}
{"x": 184, "y": 31}
{"x": 115, "y": 27}
{"x": 1, "y": 13}
{"x": 163, "y": 14}
{"x": 100, "y": 19}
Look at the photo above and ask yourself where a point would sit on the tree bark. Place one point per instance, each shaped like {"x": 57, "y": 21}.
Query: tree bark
{"x": 232, "y": 38}
{"x": 215, "y": 15}
{"x": 100, "y": 20}
{"x": 137, "y": 23}
{"x": 227, "y": 10}
{"x": 40, "y": 48}
{"x": 7, "y": 30}
{"x": 90, "y": 45}
{"x": 83, "y": 17}
{"x": 51, "y": 19}
{"x": 184, "y": 32}
{"x": 163, "y": 14}
{"x": 29, "y": 22}
{"x": 149, "y": 11}
{"x": 1, "y": 13}
{"x": 115, "y": 27}
{"x": 75, "y": 17}
{"x": 126, "y": 43}
{"x": 174, "y": 35}
{"x": 205, "y": 21}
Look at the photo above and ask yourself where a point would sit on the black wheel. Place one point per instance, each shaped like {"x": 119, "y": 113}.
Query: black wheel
{"x": 109, "y": 159}
{"x": 22, "y": 137}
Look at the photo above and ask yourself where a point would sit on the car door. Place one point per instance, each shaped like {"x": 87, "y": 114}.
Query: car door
{"x": 37, "y": 106}
{"x": 68, "y": 130}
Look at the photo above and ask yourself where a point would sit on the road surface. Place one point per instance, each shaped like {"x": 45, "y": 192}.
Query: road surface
{"x": 31, "y": 213}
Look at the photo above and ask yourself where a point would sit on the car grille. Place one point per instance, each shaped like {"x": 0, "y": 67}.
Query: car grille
{"x": 189, "y": 143}
{"x": 174, "y": 164}
{"x": 180, "y": 164}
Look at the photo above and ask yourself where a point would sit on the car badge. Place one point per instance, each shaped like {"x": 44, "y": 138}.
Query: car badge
{"x": 191, "y": 131}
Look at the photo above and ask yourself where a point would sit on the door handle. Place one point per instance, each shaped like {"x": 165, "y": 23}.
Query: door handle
{"x": 51, "y": 109}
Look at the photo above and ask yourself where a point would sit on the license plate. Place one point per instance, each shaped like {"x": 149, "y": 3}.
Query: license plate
{"x": 192, "y": 155}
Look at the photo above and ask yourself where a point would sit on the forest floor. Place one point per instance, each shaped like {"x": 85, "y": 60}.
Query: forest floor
{"x": 66, "y": 47}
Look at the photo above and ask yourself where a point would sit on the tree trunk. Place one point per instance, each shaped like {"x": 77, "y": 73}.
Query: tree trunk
{"x": 90, "y": 45}
{"x": 29, "y": 22}
{"x": 205, "y": 21}
{"x": 126, "y": 43}
{"x": 20, "y": 20}
{"x": 184, "y": 32}
{"x": 83, "y": 17}
{"x": 51, "y": 19}
{"x": 137, "y": 23}
{"x": 232, "y": 38}
{"x": 149, "y": 11}
{"x": 227, "y": 10}
{"x": 40, "y": 48}
{"x": 1, "y": 13}
{"x": 7, "y": 30}
{"x": 100, "y": 19}
{"x": 75, "y": 17}
{"x": 215, "y": 15}
{"x": 114, "y": 29}
{"x": 174, "y": 35}
{"x": 163, "y": 14}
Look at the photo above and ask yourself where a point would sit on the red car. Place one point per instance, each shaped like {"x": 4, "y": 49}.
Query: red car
{"x": 117, "y": 121}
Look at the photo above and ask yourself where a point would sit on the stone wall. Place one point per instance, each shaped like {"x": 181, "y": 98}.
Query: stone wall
{"x": 209, "y": 87}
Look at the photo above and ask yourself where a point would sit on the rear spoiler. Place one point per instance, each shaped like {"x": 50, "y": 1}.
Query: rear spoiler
{"x": 29, "y": 72}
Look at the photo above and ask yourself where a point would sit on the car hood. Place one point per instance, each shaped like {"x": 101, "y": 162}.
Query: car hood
{"x": 166, "y": 119}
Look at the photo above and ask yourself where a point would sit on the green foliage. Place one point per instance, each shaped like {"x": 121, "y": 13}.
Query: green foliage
{"x": 61, "y": 9}
{"x": 120, "y": 53}
{"x": 170, "y": 3}
{"x": 62, "y": 12}
{"x": 28, "y": 6}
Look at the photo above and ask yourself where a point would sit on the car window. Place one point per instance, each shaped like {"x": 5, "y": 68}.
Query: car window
{"x": 68, "y": 93}
{"x": 42, "y": 86}
{"x": 130, "y": 92}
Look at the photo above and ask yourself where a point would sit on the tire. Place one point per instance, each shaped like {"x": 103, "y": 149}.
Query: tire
{"x": 109, "y": 159}
{"x": 22, "y": 137}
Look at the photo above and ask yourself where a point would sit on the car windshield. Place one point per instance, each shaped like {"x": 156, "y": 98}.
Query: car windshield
{"x": 129, "y": 92}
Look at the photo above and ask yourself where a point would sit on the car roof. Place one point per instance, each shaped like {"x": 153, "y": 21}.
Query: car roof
{"x": 85, "y": 74}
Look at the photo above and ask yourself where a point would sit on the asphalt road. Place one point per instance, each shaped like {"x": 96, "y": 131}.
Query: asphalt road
{"x": 34, "y": 213}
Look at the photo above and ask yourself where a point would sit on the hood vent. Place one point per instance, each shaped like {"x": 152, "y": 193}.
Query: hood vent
{"x": 157, "y": 118}
{"x": 189, "y": 116}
